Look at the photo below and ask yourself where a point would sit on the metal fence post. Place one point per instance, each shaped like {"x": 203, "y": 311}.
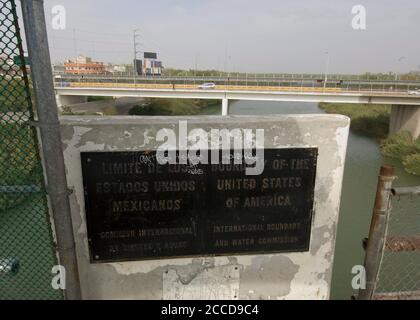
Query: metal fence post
{"x": 377, "y": 231}
{"x": 41, "y": 74}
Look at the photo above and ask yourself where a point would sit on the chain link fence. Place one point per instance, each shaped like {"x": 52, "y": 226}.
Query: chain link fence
{"x": 27, "y": 252}
{"x": 399, "y": 275}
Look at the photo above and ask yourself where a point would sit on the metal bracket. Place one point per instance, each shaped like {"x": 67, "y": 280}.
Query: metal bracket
{"x": 68, "y": 191}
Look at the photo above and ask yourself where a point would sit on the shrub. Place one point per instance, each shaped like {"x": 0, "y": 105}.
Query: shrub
{"x": 400, "y": 145}
{"x": 412, "y": 164}
{"x": 403, "y": 147}
{"x": 371, "y": 120}
{"x": 166, "y": 107}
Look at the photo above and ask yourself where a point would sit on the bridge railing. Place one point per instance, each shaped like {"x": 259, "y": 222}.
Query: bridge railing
{"x": 398, "y": 88}
{"x": 168, "y": 73}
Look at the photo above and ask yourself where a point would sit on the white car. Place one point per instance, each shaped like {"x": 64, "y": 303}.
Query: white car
{"x": 414, "y": 92}
{"x": 206, "y": 86}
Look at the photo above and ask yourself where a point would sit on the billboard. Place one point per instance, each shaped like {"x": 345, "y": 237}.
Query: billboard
{"x": 150, "y": 55}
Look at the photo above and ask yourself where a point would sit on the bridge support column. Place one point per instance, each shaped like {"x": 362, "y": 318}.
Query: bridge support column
{"x": 225, "y": 106}
{"x": 405, "y": 118}
{"x": 63, "y": 101}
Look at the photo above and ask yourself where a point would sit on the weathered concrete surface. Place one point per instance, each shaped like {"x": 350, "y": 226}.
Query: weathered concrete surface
{"x": 405, "y": 118}
{"x": 276, "y": 276}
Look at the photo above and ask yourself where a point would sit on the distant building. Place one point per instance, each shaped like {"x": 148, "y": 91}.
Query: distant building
{"x": 84, "y": 65}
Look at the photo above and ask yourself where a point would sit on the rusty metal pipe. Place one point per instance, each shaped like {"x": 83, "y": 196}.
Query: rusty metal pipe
{"x": 377, "y": 232}
{"x": 406, "y": 191}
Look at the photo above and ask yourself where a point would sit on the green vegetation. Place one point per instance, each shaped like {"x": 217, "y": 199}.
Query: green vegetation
{"x": 373, "y": 121}
{"x": 173, "y": 107}
{"x": 95, "y": 98}
{"x": 111, "y": 111}
{"x": 192, "y": 73}
{"x": 405, "y": 149}
{"x": 370, "y": 120}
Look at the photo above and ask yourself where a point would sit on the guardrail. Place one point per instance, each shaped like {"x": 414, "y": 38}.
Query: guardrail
{"x": 250, "y": 76}
{"x": 236, "y": 87}
{"x": 352, "y": 84}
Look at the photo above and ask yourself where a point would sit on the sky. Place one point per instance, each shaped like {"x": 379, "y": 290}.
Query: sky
{"x": 272, "y": 36}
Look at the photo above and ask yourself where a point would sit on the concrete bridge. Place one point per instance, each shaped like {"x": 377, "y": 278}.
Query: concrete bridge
{"x": 405, "y": 114}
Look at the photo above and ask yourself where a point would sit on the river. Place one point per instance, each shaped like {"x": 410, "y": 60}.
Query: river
{"x": 359, "y": 186}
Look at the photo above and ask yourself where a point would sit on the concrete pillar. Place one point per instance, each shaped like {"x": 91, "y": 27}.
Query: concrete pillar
{"x": 225, "y": 106}
{"x": 405, "y": 118}
{"x": 63, "y": 101}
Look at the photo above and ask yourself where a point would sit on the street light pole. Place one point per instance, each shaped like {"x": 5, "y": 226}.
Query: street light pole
{"x": 327, "y": 70}
{"x": 397, "y": 73}
{"x": 195, "y": 66}
{"x": 135, "y": 35}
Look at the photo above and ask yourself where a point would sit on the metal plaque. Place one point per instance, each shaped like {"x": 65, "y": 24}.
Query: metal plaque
{"x": 137, "y": 209}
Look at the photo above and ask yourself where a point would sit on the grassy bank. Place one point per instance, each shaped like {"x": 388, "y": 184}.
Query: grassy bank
{"x": 174, "y": 107}
{"x": 405, "y": 149}
{"x": 67, "y": 111}
{"x": 95, "y": 98}
{"x": 373, "y": 121}
{"x": 369, "y": 120}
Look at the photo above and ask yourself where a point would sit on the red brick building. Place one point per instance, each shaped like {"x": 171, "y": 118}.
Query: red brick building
{"x": 84, "y": 65}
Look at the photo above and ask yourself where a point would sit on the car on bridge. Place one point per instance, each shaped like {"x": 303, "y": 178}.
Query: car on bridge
{"x": 414, "y": 92}
{"x": 63, "y": 84}
{"x": 207, "y": 86}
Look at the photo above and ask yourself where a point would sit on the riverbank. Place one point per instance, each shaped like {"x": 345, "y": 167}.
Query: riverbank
{"x": 175, "y": 107}
{"x": 103, "y": 106}
{"x": 373, "y": 121}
